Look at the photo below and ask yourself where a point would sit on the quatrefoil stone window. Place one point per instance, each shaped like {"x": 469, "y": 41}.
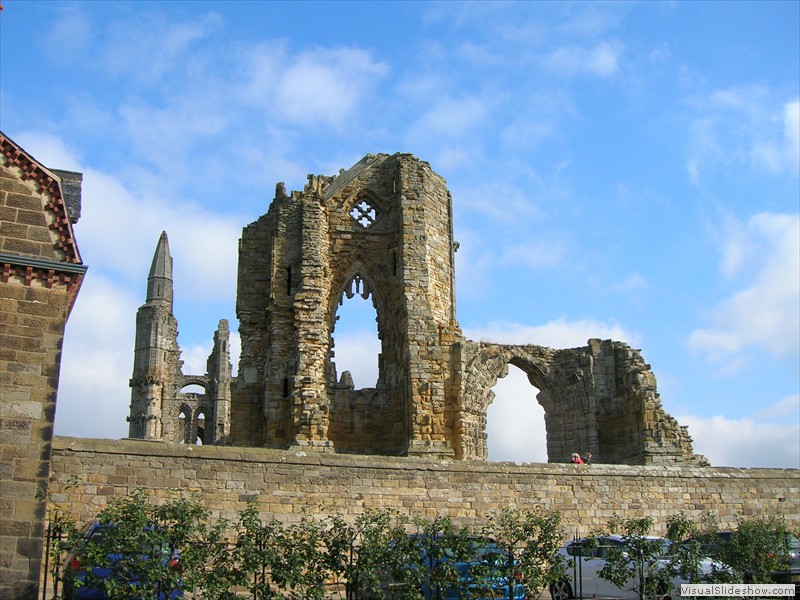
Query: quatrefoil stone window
{"x": 364, "y": 213}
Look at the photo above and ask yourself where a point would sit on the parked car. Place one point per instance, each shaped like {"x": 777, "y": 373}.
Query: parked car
{"x": 492, "y": 562}
{"x": 792, "y": 572}
{"x": 482, "y": 574}
{"x": 791, "y": 551}
{"x": 80, "y": 585}
{"x": 584, "y": 580}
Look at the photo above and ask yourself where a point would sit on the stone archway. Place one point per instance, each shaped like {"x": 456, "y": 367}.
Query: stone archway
{"x": 600, "y": 398}
{"x": 487, "y": 364}
{"x": 515, "y": 427}
{"x": 371, "y": 419}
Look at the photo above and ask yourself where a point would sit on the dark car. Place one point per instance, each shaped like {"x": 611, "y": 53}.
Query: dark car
{"x": 82, "y": 585}
{"x": 791, "y": 551}
{"x": 792, "y": 572}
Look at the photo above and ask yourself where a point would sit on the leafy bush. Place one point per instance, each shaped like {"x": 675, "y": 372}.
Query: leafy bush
{"x": 754, "y": 551}
{"x": 531, "y": 538}
{"x": 382, "y": 554}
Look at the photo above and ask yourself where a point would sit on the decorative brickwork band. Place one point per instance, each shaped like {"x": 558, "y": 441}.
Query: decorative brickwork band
{"x": 49, "y": 184}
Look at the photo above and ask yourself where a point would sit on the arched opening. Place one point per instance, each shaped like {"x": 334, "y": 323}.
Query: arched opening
{"x": 193, "y": 388}
{"x": 184, "y": 425}
{"x": 515, "y": 427}
{"x": 355, "y": 345}
{"x": 201, "y": 429}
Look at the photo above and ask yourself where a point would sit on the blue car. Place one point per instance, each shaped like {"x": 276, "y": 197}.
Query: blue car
{"x": 492, "y": 561}
{"x": 79, "y": 585}
{"x": 482, "y": 576}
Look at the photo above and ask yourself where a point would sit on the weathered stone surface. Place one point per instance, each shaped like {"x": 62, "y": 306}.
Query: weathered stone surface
{"x": 383, "y": 229}
{"x": 160, "y": 409}
{"x": 284, "y": 483}
{"x": 41, "y": 275}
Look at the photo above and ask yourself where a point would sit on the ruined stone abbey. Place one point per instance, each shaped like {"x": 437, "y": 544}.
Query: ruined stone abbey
{"x": 382, "y": 229}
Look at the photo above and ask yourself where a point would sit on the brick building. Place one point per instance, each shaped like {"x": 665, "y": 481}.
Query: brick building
{"x": 41, "y": 275}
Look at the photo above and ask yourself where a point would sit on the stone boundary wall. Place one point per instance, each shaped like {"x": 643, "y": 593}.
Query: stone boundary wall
{"x": 87, "y": 472}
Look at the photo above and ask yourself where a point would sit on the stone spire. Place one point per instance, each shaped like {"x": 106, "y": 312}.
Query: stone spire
{"x": 159, "y": 281}
{"x": 156, "y": 356}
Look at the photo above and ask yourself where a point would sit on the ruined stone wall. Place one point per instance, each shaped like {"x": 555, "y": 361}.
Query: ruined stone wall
{"x": 600, "y": 398}
{"x": 87, "y": 473}
{"x": 382, "y": 229}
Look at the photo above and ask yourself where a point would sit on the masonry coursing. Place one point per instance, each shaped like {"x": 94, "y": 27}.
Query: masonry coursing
{"x": 40, "y": 275}
{"x": 87, "y": 473}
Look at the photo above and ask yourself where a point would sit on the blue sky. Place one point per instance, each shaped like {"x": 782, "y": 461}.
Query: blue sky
{"x": 619, "y": 170}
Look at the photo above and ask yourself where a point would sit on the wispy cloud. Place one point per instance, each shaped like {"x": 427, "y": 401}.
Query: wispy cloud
{"x": 746, "y": 442}
{"x": 602, "y": 59}
{"x": 744, "y": 126}
{"x": 779, "y": 151}
{"x": 325, "y": 86}
{"x": 450, "y": 117}
{"x": 764, "y": 313}
{"x": 559, "y": 333}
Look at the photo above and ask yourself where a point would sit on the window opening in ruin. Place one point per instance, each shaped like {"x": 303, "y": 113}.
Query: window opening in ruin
{"x": 184, "y": 420}
{"x": 364, "y": 213}
{"x": 289, "y": 281}
{"x": 201, "y": 429}
{"x": 355, "y": 343}
{"x": 515, "y": 428}
{"x": 193, "y": 388}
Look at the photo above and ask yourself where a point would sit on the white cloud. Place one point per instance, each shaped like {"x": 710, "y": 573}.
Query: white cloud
{"x": 744, "y": 126}
{"x": 149, "y": 47}
{"x": 542, "y": 253}
{"x": 69, "y": 37}
{"x": 746, "y": 442}
{"x": 601, "y": 60}
{"x": 195, "y": 356}
{"x": 559, "y": 333}
{"x": 203, "y": 244}
{"x": 450, "y": 117}
{"x": 764, "y": 314}
{"x": 631, "y": 283}
{"x": 326, "y": 86}
{"x": 515, "y": 421}
{"x": 780, "y": 151}
{"x": 785, "y": 410}
{"x": 357, "y": 352}
{"x": 501, "y": 203}
{"x": 96, "y": 363}
{"x": 50, "y": 150}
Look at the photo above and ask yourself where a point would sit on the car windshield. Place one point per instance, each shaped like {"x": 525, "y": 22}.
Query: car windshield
{"x": 600, "y": 550}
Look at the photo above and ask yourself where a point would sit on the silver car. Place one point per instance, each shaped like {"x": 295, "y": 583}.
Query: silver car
{"x": 583, "y": 579}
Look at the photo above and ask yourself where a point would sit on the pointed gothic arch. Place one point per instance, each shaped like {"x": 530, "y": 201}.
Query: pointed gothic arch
{"x": 355, "y": 279}
{"x": 183, "y": 420}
